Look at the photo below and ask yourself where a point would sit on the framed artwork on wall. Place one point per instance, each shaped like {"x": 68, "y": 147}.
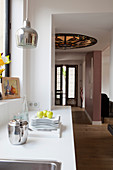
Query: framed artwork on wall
{"x": 10, "y": 88}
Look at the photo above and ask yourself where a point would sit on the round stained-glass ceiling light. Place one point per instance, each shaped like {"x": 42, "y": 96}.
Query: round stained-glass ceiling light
{"x": 72, "y": 41}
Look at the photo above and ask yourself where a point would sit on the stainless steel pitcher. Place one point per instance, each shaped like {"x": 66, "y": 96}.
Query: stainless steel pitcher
{"x": 18, "y": 131}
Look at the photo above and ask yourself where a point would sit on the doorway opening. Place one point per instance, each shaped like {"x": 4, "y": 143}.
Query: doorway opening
{"x": 66, "y": 85}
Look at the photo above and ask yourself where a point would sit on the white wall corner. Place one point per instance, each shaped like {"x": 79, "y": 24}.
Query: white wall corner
{"x": 88, "y": 116}
{"x": 16, "y": 69}
{"x": 52, "y": 99}
{"x": 90, "y": 119}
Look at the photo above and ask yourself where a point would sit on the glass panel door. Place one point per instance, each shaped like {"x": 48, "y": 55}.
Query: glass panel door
{"x": 66, "y": 85}
{"x": 71, "y": 82}
{"x": 72, "y": 85}
{"x": 58, "y": 85}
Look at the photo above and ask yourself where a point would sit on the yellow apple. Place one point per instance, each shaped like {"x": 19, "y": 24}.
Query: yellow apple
{"x": 39, "y": 114}
{"x": 45, "y": 113}
{"x": 49, "y": 114}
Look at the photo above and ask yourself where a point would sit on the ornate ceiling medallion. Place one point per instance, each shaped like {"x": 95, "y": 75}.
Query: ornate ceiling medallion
{"x": 73, "y": 41}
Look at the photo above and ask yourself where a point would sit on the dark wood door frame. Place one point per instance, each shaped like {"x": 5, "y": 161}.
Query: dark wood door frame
{"x": 59, "y": 92}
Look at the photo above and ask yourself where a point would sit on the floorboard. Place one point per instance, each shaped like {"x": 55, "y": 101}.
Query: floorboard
{"x": 94, "y": 144}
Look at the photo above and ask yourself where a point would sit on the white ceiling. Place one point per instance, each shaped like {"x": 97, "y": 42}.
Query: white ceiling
{"x": 98, "y": 25}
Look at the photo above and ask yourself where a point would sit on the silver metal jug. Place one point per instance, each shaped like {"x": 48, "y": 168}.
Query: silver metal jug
{"x": 18, "y": 131}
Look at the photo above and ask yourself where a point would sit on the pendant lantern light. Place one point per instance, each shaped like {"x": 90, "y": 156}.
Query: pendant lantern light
{"x": 26, "y": 37}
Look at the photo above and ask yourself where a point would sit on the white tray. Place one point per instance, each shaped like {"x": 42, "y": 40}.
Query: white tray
{"x": 53, "y": 120}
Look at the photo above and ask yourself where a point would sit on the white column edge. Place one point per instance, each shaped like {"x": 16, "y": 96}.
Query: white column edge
{"x": 88, "y": 116}
{"x": 96, "y": 122}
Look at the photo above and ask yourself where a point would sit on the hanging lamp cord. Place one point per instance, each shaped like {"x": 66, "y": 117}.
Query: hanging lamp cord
{"x": 27, "y": 6}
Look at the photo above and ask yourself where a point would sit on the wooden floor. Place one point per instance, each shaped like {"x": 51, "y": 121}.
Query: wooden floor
{"x": 94, "y": 144}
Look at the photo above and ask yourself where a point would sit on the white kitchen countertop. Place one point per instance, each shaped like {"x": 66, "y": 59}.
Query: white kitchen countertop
{"x": 40, "y": 148}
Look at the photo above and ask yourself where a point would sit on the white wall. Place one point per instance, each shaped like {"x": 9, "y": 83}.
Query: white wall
{"x": 38, "y": 61}
{"x": 9, "y": 108}
{"x": 2, "y": 26}
{"x": 17, "y": 65}
{"x": 52, "y": 89}
{"x": 105, "y": 71}
{"x": 111, "y": 69}
{"x": 69, "y": 56}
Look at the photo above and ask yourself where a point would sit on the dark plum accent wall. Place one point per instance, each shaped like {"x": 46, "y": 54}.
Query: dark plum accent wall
{"x": 93, "y": 85}
{"x": 89, "y": 85}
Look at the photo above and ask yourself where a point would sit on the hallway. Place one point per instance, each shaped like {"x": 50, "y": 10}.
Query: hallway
{"x": 94, "y": 144}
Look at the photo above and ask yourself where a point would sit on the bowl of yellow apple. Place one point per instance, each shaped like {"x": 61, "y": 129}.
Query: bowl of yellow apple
{"x": 45, "y": 114}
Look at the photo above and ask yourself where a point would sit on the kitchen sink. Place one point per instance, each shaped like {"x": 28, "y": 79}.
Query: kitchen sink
{"x": 29, "y": 165}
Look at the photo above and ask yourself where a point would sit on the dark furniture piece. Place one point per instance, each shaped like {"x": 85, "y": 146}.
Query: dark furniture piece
{"x": 110, "y": 109}
{"x": 104, "y": 106}
{"x": 110, "y": 129}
